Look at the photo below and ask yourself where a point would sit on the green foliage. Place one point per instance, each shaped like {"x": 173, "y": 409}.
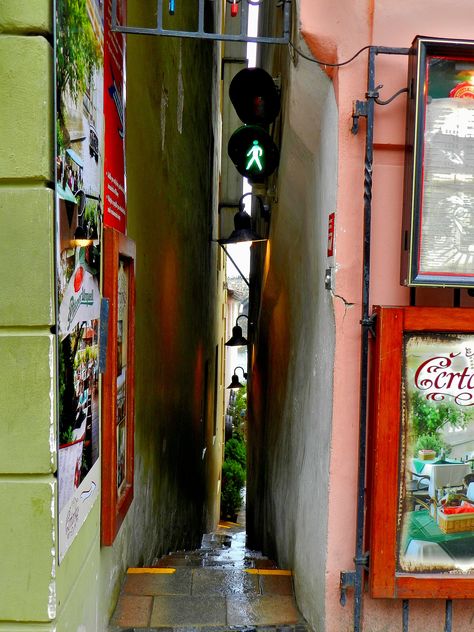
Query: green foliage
{"x": 78, "y": 51}
{"x": 67, "y": 436}
{"x": 233, "y": 480}
{"x": 430, "y": 417}
{"x": 60, "y": 138}
{"x": 237, "y": 409}
{"x": 235, "y": 457}
{"x": 235, "y": 450}
{"x": 431, "y": 442}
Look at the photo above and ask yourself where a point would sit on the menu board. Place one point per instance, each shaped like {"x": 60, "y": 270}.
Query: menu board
{"x": 447, "y": 243}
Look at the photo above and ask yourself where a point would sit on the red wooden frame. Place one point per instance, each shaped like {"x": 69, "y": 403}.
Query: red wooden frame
{"x": 384, "y": 455}
{"x": 117, "y": 247}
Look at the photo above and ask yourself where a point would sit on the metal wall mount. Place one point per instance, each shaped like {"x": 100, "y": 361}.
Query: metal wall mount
{"x": 201, "y": 33}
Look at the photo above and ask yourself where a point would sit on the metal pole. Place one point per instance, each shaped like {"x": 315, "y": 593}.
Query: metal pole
{"x": 405, "y": 612}
{"x": 364, "y": 359}
{"x": 448, "y": 626}
{"x": 235, "y": 265}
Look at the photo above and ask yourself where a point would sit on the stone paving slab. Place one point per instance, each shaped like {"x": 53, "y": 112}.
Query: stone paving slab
{"x": 276, "y": 584}
{"x": 264, "y": 610}
{"x": 175, "y": 611}
{"x": 208, "y": 581}
{"x": 133, "y": 610}
{"x": 178, "y": 583}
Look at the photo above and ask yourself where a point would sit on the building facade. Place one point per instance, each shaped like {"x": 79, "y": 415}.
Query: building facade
{"x": 173, "y": 98}
{"x": 305, "y": 363}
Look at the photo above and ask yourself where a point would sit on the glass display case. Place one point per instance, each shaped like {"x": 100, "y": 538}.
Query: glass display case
{"x": 438, "y": 231}
{"x": 118, "y": 383}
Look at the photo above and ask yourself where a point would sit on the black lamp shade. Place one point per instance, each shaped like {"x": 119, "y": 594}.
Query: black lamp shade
{"x": 235, "y": 382}
{"x": 242, "y": 230}
{"x": 237, "y": 339}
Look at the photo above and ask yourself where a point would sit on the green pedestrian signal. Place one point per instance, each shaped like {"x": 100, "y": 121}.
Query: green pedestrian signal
{"x": 257, "y": 102}
{"x": 256, "y": 157}
{"x": 253, "y": 152}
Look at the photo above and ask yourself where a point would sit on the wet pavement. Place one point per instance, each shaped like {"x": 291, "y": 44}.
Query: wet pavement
{"x": 220, "y": 587}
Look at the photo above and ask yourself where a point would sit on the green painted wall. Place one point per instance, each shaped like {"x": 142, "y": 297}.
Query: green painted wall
{"x": 27, "y": 454}
{"x": 172, "y": 189}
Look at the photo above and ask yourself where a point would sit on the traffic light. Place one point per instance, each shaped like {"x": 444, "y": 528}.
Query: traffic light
{"x": 257, "y": 103}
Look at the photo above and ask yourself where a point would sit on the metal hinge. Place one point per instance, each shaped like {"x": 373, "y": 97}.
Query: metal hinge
{"x": 369, "y": 323}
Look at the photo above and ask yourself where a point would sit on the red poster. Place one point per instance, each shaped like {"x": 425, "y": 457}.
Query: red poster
{"x": 331, "y": 221}
{"x": 115, "y": 213}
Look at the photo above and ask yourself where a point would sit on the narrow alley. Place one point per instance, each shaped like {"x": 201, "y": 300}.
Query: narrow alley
{"x": 220, "y": 586}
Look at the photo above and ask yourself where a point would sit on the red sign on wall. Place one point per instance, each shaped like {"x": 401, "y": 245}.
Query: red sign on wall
{"x": 331, "y": 225}
{"x": 115, "y": 210}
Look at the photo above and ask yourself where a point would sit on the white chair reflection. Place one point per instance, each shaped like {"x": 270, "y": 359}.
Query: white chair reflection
{"x": 446, "y": 476}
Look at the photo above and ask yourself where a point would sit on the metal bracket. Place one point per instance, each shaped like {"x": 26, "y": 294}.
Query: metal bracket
{"x": 370, "y": 323}
{"x": 329, "y": 278}
{"x": 283, "y": 37}
{"x": 347, "y": 580}
{"x": 359, "y": 108}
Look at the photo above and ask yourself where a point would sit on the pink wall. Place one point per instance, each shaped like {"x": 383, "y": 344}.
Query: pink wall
{"x": 335, "y": 31}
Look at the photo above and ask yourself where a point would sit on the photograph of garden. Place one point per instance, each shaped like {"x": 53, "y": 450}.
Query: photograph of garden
{"x": 437, "y": 503}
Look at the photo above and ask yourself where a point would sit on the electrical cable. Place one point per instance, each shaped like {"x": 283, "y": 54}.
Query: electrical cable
{"x": 324, "y": 63}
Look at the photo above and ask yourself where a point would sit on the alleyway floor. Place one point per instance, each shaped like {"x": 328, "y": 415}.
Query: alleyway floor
{"x": 221, "y": 586}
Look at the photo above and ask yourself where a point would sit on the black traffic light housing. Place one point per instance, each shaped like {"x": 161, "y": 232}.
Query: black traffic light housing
{"x": 257, "y": 103}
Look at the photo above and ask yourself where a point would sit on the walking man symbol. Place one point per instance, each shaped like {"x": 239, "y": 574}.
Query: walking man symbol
{"x": 254, "y": 153}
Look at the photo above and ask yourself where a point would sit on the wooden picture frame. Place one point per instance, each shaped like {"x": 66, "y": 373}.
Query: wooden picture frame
{"x": 398, "y": 331}
{"x": 118, "y": 387}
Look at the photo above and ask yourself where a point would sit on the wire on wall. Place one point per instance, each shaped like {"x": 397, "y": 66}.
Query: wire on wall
{"x": 325, "y": 63}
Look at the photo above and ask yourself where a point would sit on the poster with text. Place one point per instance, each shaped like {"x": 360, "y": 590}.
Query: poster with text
{"x": 115, "y": 210}
{"x": 79, "y": 203}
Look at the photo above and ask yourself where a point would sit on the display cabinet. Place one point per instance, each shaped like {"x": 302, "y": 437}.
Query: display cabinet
{"x": 438, "y": 227}
{"x": 118, "y": 383}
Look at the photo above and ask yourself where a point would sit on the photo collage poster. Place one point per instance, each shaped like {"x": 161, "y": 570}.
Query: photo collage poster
{"x": 79, "y": 212}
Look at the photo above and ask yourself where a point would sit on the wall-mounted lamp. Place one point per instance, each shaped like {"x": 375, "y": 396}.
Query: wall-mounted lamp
{"x": 235, "y": 380}
{"x": 237, "y": 339}
{"x": 243, "y": 223}
{"x": 80, "y": 238}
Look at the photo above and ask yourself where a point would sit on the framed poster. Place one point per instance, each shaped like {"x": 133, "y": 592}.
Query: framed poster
{"x": 118, "y": 383}
{"x": 421, "y": 499}
{"x": 438, "y": 231}
{"x": 78, "y": 186}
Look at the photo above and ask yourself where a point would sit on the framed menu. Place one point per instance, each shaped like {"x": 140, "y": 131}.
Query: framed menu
{"x": 118, "y": 383}
{"x": 421, "y": 454}
{"x": 438, "y": 231}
